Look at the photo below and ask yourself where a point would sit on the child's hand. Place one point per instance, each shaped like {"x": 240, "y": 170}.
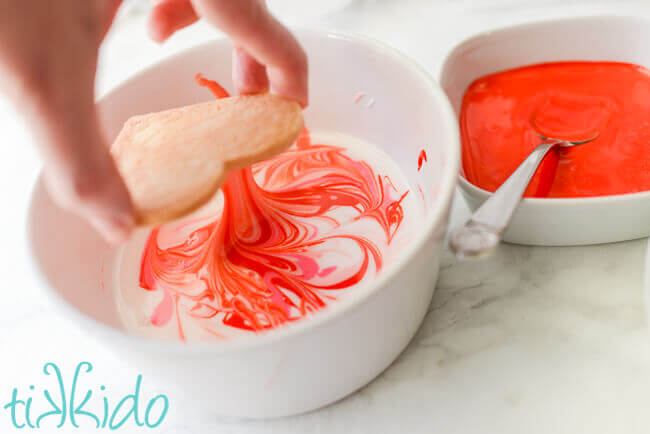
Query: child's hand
{"x": 48, "y": 56}
{"x": 265, "y": 52}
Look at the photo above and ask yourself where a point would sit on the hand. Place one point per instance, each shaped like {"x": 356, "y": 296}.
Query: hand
{"x": 48, "y": 57}
{"x": 265, "y": 52}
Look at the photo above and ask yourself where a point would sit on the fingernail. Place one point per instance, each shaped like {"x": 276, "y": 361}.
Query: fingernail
{"x": 122, "y": 227}
{"x": 126, "y": 221}
{"x": 115, "y": 230}
{"x": 119, "y": 234}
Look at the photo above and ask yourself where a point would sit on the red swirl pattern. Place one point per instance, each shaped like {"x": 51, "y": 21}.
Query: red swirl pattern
{"x": 259, "y": 263}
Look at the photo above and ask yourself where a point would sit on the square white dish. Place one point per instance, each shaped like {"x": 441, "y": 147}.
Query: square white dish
{"x": 564, "y": 221}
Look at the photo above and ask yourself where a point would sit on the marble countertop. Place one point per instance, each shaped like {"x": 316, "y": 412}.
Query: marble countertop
{"x": 533, "y": 340}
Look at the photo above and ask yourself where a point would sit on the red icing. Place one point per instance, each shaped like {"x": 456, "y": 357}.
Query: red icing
{"x": 163, "y": 312}
{"x": 421, "y": 192}
{"x": 502, "y": 113}
{"x": 422, "y": 158}
{"x": 215, "y": 88}
{"x": 258, "y": 260}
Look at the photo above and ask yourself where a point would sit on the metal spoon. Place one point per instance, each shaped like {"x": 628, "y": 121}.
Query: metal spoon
{"x": 482, "y": 233}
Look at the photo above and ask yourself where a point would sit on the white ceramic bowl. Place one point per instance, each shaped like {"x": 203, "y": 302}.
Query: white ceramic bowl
{"x": 314, "y": 362}
{"x": 556, "y": 222}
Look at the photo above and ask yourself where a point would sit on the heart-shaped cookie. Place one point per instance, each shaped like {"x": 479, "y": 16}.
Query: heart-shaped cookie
{"x": 174, "y": 161}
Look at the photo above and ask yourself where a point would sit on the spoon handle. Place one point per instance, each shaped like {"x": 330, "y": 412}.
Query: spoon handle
{"x": 482, "y": 233}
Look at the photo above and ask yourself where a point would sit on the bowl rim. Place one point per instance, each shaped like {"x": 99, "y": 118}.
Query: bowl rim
{"x": 476, "y": 191}
{"x": 434, "y": 219}
{"x": 512, "y": 30}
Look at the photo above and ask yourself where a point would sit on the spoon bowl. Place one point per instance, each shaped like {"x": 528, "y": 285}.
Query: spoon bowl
{"x": 482, "y": 233}
{"x": 568, "y": 144}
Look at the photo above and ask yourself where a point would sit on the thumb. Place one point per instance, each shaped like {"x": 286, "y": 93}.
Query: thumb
{"x": 95, "y": 191}
{"x": 81, "y": 175}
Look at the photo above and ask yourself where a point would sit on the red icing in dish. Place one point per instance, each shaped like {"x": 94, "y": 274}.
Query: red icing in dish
{"x": 422, "y": 158}
{"x": 502, "y": 114}
{"x": 258, "y": 262}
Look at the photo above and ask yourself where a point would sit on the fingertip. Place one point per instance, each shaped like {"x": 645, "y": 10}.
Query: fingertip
{"x": 158, "y": 26}
{"x": 122, "y": 226}
{"x": 291, "y": 79}
{"x": 302, "y": 71}
{"x": 291, "y": 85}
{"x": 304, "y": 100}
{"x": 118, "y": 237}
{"x": 114, "y": 231}
{"x": 110, "y": 210}
{"x": 168, "y": 16}
{"x": 125, "y": 221}
{"x": 271, "y": 44}
{"x": 249, "y": 76}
